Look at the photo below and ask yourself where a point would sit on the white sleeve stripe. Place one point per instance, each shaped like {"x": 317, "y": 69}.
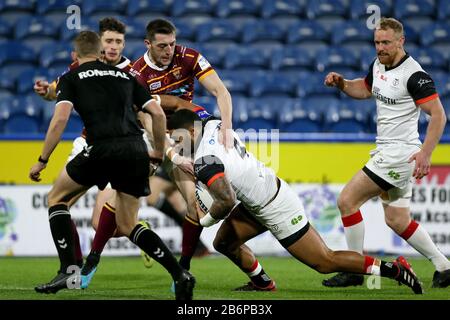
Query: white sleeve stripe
{"x": 66, "y": 101}
{"x": 148, "y": 101}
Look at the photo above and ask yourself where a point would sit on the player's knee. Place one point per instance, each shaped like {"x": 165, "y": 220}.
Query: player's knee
{"x": 326, "y": 263}
{"x": 125, "y": 228}
{"x": 221, "y": 245}
{"x": 345, "y": 204}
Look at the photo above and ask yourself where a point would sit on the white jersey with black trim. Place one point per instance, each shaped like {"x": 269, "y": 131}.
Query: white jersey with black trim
{"x": 398, "y": 91}
{"x": 253, "y": 182}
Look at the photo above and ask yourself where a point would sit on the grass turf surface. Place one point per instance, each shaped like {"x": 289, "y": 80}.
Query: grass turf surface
{"x": 126, "y": 278}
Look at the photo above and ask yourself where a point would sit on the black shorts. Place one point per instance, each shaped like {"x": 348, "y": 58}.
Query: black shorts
{"x": 123, "y": 162}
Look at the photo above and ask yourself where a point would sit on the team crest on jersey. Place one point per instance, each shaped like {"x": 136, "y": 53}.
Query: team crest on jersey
{"x": 395, "y": 82}
{"x": 177, "y": 74}
{"x": 155, "y": 85}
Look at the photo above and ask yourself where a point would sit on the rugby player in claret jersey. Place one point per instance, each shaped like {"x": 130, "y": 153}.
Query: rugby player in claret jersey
{"x": 168, "y": 68}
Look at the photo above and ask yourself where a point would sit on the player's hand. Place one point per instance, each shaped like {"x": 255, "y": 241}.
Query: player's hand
{"x": 35, "y": 171}
{"x": 334, "y": 79}
{"x": 184, "y": 163}
{"x": 226, "y": 137}
{"x": 423, "y": 163}
{"x": 41, "y": 87}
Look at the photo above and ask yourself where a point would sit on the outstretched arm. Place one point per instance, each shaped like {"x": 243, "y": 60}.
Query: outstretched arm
{"x": 356, "y": 88}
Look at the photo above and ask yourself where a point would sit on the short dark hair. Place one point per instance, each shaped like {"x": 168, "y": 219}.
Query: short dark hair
{"x": 183, "y": 118}
{"x": 87, "y": 43}
{"x": 159, "y": 26}
{"x": 110, "y": 24}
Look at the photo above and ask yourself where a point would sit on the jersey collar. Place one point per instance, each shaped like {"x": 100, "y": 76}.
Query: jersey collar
{"x": 151, "y": 64}
{"x": 399, "y": 63}
{"x": 124, "y": 61}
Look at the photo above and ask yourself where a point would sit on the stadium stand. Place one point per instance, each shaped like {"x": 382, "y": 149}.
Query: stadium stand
{"x": 262, "y": 49}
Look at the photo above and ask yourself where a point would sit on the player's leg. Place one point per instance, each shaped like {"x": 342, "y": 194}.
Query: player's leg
{"x": 61, "y": 194}
{"x": 397, "y": 216}
{"x": 358, "y": 190}
{"x": 310, "y": 249}
{"x": 127, "y": 207}
{"x": 230, "y": 240}
{"x": 191, "y": 225}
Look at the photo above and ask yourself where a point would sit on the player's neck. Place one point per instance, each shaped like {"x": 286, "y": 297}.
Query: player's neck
{"x": 397, "y": 59}
{"x": 86, "y": 59}
{"x": 115, "y": 62}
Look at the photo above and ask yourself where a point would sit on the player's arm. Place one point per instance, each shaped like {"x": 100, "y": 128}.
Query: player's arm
{"x": 356, "y": 88}
{"x": 216, "y": 87}
{"x": 152, "y": 106}
{"x": 55, "y": 130}
{"x": 45, "y": 90}
{"x": 173, "y": 103}
{"x": 423, "y": 91}
{"x": 211, "y": 172}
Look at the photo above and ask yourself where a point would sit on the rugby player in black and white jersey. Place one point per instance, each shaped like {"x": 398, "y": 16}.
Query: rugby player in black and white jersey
{"x": 266, "y": 203}
{"x": 116, "y": 153}
{"x": 402, "y": 89}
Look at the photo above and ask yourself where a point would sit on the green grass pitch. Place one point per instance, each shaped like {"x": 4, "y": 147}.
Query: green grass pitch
{"x": 126, "y": 278}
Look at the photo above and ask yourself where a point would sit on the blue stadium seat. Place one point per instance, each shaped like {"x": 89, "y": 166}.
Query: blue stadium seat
{"x": 209, "y": 103}
{"x": 214, "y": 53}
{"x": 442, "y": 82}
{"x": 137, "y": 8}
{"x": 229, "y": 8}
{"x": 438, "y": 32}
{"x": 69, "y": 34}
{"x": 16, "y": 52}
{"x": 185, "y": 31}
{"x": 26, "y": 79}
{"x": 352, "y": 32}
{"x": 35, "y": 28}
{"x": 237, "y": 82}
{"x": 282, "y": 8}
{"x": 326, "y": 8}
{"x": 20, "y": 123}
{"x": 23, "y": 114}
{"x": 262, "y": 31}
{"x": 7, "y": 80}
{"x": 411, "y": 35}
{"x": 295, "y": 117}
{"x": 49, "y": 6}
{"x": 321, "y": 104}
{"x": 414, "y": 8}
{"x": 134, "y": 48}
{"x": 5, "y": 30}
{"x": 134, "y": 30}
{"x": 16, "y": 6}
{"x": 57, "y": 55}
{"x": 311, "y": 85}
{"x": 259, "y": 114}
{"x": 443, "y": 10}
{"x": 106, "y": 7}
{"x": 188, "y": 8}
{"x": 217, "y": 31}
{"x": 292, "y": 58}
{"x": 307, "y": 31}
{"x": 242, "y": 57}
{"x": 431, "y": 60}
{"x": 75, "y": 124}
{"x": 345, "y": 120}
{"x": 336, "y": 59}
{"x": 358, "y": 8}
{"x": 271, "y": 83}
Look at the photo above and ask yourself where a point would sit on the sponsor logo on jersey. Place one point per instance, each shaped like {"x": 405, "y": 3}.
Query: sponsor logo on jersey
{"x": 423, "y": 81}
{"x": 102, "y": 73}
{"x": 155, "y": 85}
{"x": 203, "y": 63}
{"x": 375, "y": 92}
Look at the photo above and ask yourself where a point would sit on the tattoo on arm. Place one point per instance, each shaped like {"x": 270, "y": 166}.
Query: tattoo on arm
{"x": 224, "y": 198}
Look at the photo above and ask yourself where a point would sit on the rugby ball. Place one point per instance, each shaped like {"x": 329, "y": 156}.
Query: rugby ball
{"x": 204, "y": 198}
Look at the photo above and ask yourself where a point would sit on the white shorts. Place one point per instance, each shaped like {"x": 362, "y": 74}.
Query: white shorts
{"x": 390, "y": 163}
{"x": 285, "y": 215}
{"x": 78, "y": 145}
{"x": 148, "y": 139}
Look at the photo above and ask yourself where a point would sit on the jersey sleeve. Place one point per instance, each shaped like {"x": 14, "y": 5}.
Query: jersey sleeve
{"x": 140, "y": 95}
{"x": 202, "y": 67}
{"x": 65, "y": 90}
{"x": 209, "y": 168}
{"x": 368, "y": 80}
{"x": 421, "y": 87}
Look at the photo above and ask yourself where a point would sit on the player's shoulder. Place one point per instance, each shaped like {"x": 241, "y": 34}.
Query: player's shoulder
{"x": 186, "y": 52}
{"x": 136, "y": 66}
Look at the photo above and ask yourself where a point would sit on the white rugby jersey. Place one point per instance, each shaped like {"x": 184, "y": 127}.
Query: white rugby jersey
{"x": 398, "y": 91}
{"x": 253, "y": 182}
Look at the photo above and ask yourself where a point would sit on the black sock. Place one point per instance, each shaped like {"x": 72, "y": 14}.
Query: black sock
{"x": 152, "y": 244}
{"x": 166, "y": 207}
{"x": 185, "y": 262}
{"x": 61, "y": 228}
{"x": 388, "y": 269}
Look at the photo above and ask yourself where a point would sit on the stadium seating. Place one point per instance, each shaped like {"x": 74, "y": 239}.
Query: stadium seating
{"x": 242, "y": 8}
{"x": 263, "y": 84}
{"x": 336, "y": 59}
{"x": 358, "y": 8}
{"x": 262, "y": 31}
{"x": 217, "y": 31}
{"x": 282, "y": 8}
{"x": 236, "y": 81}
{"x": 295, "y": 117}
{"x": 307, "y": 31}
{"x": 292, "y": 58}
{"x": 187, "y": 8}
{"x": 26, "y": 79}
{"x": 413, "y": 8}
{"x": 242, "y": 57}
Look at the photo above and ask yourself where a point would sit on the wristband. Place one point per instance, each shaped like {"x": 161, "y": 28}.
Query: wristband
{"x": 208, "y": 220}
{"x": 42, "y": 160}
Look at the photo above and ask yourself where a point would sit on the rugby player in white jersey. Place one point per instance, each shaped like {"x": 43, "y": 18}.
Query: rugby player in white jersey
{"x": 401, "y": 89}
{"x": 266, "y": 203}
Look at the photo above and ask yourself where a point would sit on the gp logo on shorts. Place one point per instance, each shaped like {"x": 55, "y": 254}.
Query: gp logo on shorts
{"x": 394, "y": 175}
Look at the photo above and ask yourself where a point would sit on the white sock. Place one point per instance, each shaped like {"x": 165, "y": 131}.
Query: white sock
{"x": 420, "y": 240}
{"x": 354, "y": 231}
